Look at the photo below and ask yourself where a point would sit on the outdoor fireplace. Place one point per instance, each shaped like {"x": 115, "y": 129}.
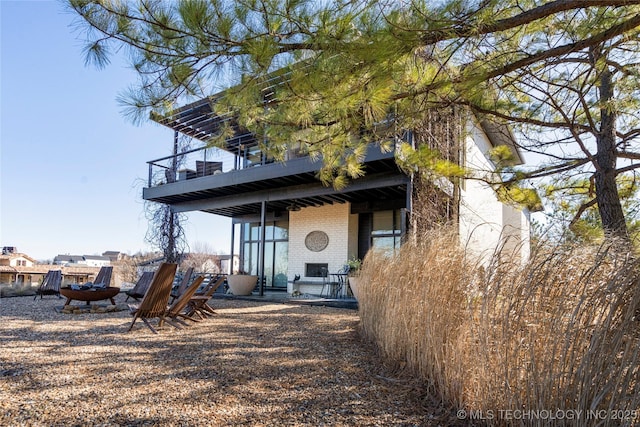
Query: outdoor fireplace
{"x": 316, "y": 270}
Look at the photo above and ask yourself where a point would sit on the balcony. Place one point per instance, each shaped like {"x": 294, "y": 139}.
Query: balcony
{"x": 201, "y": 162}
{"x": 220, "y": 182}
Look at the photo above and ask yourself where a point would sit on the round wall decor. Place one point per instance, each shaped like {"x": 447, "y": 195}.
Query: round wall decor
{"x": 316, "y": 241}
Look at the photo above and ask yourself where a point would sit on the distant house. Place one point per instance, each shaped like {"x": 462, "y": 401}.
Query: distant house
{"x": 17, "y": 260}
{"x": 113, "y": 255}
{"x": 96, "y": 260}
{"x": 13, "y": 267}
{"x": 68, "y": 259}
{"x": 21, "y": 268}
{"x": 224, "y": 263}
{"x": 209, "y": 263}
{"x": 88, "y": 260}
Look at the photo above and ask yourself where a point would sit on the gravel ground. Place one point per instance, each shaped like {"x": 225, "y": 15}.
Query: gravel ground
{"x": 255, "y": 364}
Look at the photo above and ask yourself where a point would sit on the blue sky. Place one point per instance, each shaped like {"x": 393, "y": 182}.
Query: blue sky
{"x": 72, "y": 167}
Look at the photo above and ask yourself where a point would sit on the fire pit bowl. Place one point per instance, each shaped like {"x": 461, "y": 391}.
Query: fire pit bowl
{"x": 89, "y": 295}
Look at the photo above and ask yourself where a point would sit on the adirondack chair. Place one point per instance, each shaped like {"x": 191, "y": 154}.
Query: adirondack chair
{"x": 155, "y": 301}
{"x": 50, "y": 284}
{"x": 198, "y": 303}
{"x": 175, "y": 312}
{"x": 141, "y": 286}
{"x": 175, "y": 293}
{"x": 104, "y": 276}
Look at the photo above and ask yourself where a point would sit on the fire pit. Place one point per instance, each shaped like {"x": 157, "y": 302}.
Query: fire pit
{"x": 88, "y": 295}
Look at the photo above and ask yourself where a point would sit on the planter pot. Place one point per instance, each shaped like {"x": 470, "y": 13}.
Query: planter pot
{"x": 240, "y": 284}
{"x": 354, "y": 284}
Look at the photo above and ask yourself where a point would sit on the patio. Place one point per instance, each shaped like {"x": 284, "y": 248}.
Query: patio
{"x": 303, "y": 299}
{"x": 262, "y": 362}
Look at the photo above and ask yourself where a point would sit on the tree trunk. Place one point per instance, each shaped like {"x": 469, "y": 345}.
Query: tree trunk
{"x": 609, "y": 206}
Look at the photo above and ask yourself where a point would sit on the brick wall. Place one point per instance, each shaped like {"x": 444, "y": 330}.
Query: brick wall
{"x": 340, "y": 226}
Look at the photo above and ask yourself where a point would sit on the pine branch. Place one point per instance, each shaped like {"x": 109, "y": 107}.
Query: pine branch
{"x": 529, "y": 16}
{"x": 580, "y": 211}
{"x": 614, "y": 31}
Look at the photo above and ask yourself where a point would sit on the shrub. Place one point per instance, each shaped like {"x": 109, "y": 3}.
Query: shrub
{"x": 16, "y": 289}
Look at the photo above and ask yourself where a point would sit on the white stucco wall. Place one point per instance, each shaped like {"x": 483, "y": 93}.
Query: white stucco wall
{"x": 21, "y": 261}
{"x": 486, "y": 224}
{"x": 92, "y": 262}
{"x": 341, "y": 227}
{"x": 516, "y": 232}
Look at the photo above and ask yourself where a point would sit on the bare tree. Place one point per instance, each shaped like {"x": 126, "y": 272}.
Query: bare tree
{"x": 126, "y": 268}
{"x": 166, "y": 231}
{"x": 203, "y": 258}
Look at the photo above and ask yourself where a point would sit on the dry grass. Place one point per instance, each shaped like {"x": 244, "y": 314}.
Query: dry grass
{"x": 556, "y": 334}
{"x": 257, "y": 364}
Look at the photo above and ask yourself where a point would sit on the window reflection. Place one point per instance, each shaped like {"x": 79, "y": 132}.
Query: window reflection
{"x": 276, "y": 251}
{"x": 386, "y": 231}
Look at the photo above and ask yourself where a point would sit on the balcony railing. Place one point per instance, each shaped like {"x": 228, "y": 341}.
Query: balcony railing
{"x": 205, "y": 161}
{"x": 201, "y": 162}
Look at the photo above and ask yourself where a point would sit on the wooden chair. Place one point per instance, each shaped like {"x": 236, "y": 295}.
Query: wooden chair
{"x": 183, "y": 285}
{"x": 175, "y": 312}
{"x": 104, "y": 276}
{"x": 141, "y": 286}
{"x": 50, "y": 284}
{"x": 155, "y": 301}
{"x": 198, "y": 303}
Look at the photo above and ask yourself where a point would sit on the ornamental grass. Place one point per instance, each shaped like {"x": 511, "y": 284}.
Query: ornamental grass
{"x": 555, "y": 336}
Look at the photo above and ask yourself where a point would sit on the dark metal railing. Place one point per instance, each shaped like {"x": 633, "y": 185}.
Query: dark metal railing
{"x": 204, "y": 161}
{"x": 195, "y": 163}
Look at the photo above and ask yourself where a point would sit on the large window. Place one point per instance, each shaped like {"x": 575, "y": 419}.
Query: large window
{"x": 386, "y": 230}
{"x": 275, "y": 254}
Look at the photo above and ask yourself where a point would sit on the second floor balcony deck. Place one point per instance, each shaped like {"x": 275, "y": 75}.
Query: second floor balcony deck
{"x": 220, "y": 182}
{"x": 237, "y": 180}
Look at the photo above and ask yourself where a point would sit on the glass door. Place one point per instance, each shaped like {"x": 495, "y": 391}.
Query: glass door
{"x": 275, "y": 254}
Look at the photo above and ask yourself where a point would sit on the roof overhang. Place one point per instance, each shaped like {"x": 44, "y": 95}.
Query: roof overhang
{"x": 500, "y": 134}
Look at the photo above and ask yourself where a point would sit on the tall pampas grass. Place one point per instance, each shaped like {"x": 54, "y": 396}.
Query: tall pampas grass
{"x": 557, "y": 334}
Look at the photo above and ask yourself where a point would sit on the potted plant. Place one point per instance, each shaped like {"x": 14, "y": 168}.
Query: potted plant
{"x": 242, "y": 283}
{"x": 354, "y": 273}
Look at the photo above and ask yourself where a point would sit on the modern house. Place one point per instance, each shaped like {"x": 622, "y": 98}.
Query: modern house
{"x": 287, "y": 223}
